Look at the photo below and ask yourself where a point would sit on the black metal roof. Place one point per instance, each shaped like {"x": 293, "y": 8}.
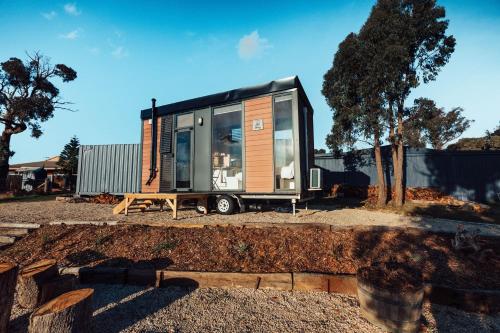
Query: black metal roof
{"x": 230, "y": 96}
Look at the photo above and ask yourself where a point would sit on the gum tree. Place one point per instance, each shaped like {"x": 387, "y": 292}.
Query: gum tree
{"x": 356, "y": 104}
{"x": 28, "y": 97}
{"x": 428, "y": 124}
{"x": 410, "y": 46}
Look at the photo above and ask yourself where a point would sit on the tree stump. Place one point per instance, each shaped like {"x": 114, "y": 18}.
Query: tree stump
{"x": 69, "y": 312}
{"x": 57, "y": 286}
{"x": 31, "y": 280}
{"x": 8, "y": 276}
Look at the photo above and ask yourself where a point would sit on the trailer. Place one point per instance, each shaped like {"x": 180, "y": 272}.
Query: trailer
{"x": 235, "y": 147}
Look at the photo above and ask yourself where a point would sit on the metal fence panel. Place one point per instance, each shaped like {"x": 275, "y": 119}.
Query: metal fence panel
{"x": 467, "y": 175}
{"x": 111, "y": 169}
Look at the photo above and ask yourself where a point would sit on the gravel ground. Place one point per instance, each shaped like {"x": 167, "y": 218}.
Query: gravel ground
{"x": 47, "y": 211}
{"x": 121, "y": 308}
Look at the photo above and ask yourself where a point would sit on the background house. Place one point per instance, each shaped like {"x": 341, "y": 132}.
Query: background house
{"x": 27, "y": 176}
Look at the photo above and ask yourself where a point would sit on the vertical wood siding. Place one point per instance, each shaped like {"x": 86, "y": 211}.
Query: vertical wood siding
{"x": 259, "y": 146}
{"x": 154, "y": 187}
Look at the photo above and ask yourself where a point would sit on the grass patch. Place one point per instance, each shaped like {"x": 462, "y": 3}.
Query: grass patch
{"x": 242, "y": 247}
{"x": 45, "y": 239}
{"x": 101, "y": 239}
{"x": 165, "y": 246}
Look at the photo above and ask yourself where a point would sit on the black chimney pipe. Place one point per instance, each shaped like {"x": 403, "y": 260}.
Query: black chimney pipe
{"x": 152, "y": 160}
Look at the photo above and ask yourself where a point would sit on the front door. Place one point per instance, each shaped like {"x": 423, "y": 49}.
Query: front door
{"x": 183, "y": 159}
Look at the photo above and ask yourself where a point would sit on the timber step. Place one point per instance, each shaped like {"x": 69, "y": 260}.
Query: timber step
{"x": 13, "y": 231}
{"x": 3, "y": 245}
{"x": 10, "y": 232}
{"x": 19, "y": 225}
{"x": 7, "y": 239}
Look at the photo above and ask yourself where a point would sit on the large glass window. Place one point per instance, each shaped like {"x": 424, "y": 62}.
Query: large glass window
{"x": 227, "y": 157}
{"x": 284, "y": 168}
{"x": 183, "y": 150}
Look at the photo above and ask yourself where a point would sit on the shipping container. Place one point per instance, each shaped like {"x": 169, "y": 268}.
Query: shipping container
{"x": 114, "y": 169}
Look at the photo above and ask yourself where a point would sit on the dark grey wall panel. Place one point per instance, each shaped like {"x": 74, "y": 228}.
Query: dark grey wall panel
{"x": 202, "y": 149}
{"x": 467, "y": 175}
{"x": 166, "y": 156}
{"x": 111, "y": 169}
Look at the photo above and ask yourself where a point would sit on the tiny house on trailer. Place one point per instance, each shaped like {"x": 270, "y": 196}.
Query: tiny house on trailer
{"x": 237, "y": 146}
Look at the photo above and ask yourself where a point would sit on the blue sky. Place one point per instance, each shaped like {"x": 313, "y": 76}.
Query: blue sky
{"x": 126, "y": 53}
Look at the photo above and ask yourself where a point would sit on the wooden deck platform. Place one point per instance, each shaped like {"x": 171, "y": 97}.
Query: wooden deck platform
{"x": 142, "y": 201}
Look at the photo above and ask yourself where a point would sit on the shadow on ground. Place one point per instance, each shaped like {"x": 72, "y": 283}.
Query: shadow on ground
{"x": 118, "y": 309}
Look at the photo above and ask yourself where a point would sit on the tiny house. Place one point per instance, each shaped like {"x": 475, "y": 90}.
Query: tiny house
{"x": 237, "y": 146}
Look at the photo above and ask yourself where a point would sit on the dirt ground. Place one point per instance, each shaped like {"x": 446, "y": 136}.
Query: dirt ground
{"x": 274, "y": 249}
{"x": 331, "y": 212}
{"x": 137, "y": 309}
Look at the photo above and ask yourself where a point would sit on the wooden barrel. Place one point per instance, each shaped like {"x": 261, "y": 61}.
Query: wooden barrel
{"x": 391, "y": 311}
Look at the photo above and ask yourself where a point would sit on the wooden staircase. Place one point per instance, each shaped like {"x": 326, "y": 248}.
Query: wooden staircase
{"x": 142, "y": 201}
{"x": 135, "y": 204}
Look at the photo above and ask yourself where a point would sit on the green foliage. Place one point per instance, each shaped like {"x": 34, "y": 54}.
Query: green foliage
{"x": 27, "y": 95}
{"x": 165, "y": 246}
{"x": 46, "y": 239}
{"x": 355, "y": 105}
{"x": 101, "y": 238}
{"x": 242, "y": 247}
{"x": 401, "y": 44}
{"x": 428, "y": 124}
{"x": 68, "y": 159}
{"x": 491, "y": 141}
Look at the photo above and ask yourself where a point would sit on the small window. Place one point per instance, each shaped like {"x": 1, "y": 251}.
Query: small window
{"x": 185, "y": 120}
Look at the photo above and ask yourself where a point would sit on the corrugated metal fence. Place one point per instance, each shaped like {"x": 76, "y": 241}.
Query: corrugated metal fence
{"x": 467, "y": 175}
{"x": 114, "y": 169}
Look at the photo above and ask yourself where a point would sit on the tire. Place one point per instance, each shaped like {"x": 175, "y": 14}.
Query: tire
{"x": 200, "y": 208}
{"x": 225, "y": 205}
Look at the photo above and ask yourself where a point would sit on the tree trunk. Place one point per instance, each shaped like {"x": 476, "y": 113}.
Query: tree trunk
{"x": 31, "y": 281}
{"x": 4, "y": 160}
{"x": 398, "y": 171}
{"x": 394, "y": 147}
{"x": 8, "y": 277}
{"x": 70, "y": 312}
{"x": 382, "y": 189}
{"x": 57, "y": 286}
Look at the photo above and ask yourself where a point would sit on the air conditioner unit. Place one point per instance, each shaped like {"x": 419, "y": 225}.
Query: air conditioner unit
{"x": 315, "y": 179}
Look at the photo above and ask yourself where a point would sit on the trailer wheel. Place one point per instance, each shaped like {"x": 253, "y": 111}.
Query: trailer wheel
{"x": 225, "y": 205}
{"x": 200, "y": 208}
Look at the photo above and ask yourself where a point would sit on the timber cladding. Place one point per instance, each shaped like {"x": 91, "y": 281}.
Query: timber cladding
{"x": 154, "y": 187}
{"x": 259, "y": 145}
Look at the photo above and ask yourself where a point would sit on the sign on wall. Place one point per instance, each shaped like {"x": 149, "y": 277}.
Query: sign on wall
{"x": 257, "y": 124}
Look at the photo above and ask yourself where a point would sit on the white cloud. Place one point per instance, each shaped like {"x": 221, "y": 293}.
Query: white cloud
{"x": 72, "y": 35}
{"x": 119, "y": 52}
{"x": 252, "y": 46}
{"x": 49, "y": 15}
{"x": 71, "y": 9}
{"x": 95, "y": 50}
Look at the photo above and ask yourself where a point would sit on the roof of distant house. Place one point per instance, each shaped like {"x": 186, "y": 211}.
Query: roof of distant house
{"x": 48, "y": 164}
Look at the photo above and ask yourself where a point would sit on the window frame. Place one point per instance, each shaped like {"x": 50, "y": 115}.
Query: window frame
{"x": 243, "y": 166}
{"x": 176, "y": 130}
{"x": 296, "y": 153}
